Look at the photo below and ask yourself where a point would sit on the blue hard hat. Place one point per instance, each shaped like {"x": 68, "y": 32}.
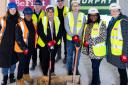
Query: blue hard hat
{"x": 37, "y": 2}
{"x": 12, "y": 5}
{"x": 28, "y": 10}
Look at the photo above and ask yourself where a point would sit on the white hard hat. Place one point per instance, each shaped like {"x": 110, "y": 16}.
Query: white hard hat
{"x": 93, "y": 10}
{"x": 49, "y": 6}
{"x": 114, "y": 6}
{"x": 75, "y": 1}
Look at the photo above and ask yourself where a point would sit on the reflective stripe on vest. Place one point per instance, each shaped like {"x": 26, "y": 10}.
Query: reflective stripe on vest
{"x": 3, "y": 25}
{"x": 25, "y": 32}
{"x": 45, "y": 24}
{"x": 116, "y": 39}
{"x": 65, "y": 11}
{"x": 100, "y": 48}
{"x": 34, "y": 17}
{"x": 71, "y": 23}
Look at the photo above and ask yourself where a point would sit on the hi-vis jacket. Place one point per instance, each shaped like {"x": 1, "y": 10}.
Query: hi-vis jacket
{"x": 99, "y": 49}
{"x": 71, "y": 23}
{"x": 25, "y": 35}
{"x": 66, "y": 10}
{"x": 45, "y": 26}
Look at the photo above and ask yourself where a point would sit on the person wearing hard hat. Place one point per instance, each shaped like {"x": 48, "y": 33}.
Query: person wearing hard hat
{"x": 24, "y": 45}
{"x": 36, "y": 17}
{"x": 49, "y": 39}
{"x": 8, "y": 57}
{"x": 94, "y": 38}
{"x": 61, "y": 11}
{"x": 117, "y": 47}
{"x": 74, "y": 24}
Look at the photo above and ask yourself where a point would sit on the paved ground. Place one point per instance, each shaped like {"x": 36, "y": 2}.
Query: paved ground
{"x": 108, "y": 73}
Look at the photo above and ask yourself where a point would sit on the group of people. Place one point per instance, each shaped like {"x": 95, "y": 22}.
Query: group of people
{"x": 44, "y": 30}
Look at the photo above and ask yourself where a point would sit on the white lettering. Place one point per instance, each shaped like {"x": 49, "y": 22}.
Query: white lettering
{"x": 90, "y": 1}
{"x": 96, "y": 1}
{"x": 103, "y": 1}
{"x": 84, "y": 1}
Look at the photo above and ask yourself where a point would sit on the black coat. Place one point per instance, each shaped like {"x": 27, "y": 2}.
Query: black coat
{"x": 7, "y": 55}
{"x": 115, "y": 60}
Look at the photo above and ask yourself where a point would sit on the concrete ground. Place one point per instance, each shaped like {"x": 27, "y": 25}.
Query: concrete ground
{"x": 108, "y": 73}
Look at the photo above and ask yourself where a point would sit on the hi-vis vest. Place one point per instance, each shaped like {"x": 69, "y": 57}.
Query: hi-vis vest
{"x": 100, "y": 48}
{"x": 35, "y": 19}
{"x": 25, "y": 33}
{"x": 116, "y": 39}
{"x": 45, "y": 25}
{"x": 71, "y": 23}
{"x": 3, "y": 25}
{"x": 65, "y": 11}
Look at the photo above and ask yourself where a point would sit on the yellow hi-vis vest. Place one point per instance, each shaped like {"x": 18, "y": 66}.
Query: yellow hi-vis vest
{"x": 25, "y": 32}
{"x": 65, "y": 11}
{"x": 116, "y": 39}
{"x": 71, "y": 23}
{"x": 35, "y": 19}
{"x": 3, "y": 25}
{"x": 45, "y": 25}
{"x": 100, "y": 48}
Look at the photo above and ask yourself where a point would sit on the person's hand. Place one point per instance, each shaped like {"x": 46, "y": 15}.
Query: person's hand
{"x": 124, "y": 58}
{"x": 25, "y": 52}
{"x": 86, "y": 44}
{"x": 75, "y": 38}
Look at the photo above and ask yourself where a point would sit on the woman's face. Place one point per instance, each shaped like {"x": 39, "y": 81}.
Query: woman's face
{"x": 12, "y": 11}
{"x": 93, "y": 17}
{"x": 115, "y": 12}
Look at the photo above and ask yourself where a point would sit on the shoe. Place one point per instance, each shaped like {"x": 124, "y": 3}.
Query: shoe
{"x": 53, "y": 74}
{"x": 57, "y": 59}
{"x": 64, "y": 61}
{"x": 5, "y": 79}
{"x": 12, "y": 78}
{"x": 20, "y": 82}
{"x": 70, "y": 73}
{"x": 27, "y": 78}
{"x": 33, "y": 67}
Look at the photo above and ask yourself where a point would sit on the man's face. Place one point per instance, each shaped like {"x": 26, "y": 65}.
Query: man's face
{"x": 50, "y": 13}
{"x": 60, "y": 4}
{"x": 75, "y": 7}
{"x": 114, "y": 12}
{"x": 28, "y": 17}
{"x": 38, "y": 7}
{"x": 12, "y": 11}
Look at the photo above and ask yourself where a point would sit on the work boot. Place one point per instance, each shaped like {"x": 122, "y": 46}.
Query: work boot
{"x": 20, "y": 82}
{"x": 27, "y": 78}
{"x": 12, "y": 78}
{"x": 5, "y": 79}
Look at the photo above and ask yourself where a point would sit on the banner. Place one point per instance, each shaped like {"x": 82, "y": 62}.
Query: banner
{"x": 24, "y": 3}
{"x": 101, "y": 5}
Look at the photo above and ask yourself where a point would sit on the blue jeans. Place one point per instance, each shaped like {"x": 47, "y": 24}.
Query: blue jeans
{"x": 5, "y": 71}
{"x": 95, "y": 71}
{"x": 71, "y": 54}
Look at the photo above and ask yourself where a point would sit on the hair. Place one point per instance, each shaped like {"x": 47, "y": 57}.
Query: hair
{"x": 90, "y": 21}
{"x": 50, "y": 8}
{"x": 8, "y": 13}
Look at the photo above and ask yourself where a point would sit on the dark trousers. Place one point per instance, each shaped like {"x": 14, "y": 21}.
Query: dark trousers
{"x": 45, "y": 57}
{"x": 123, "y": 76}
{"x": 23, "y": 67}
{"x": 34, "y": 57}
{"x": 59, "y": 48}
{"x": 95, "y": 71}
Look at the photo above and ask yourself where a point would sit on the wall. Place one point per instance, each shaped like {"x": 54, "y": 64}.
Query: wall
{"x": 2, "y": 7}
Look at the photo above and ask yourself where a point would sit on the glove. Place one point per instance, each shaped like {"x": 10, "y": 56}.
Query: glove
{"x": 124, "y": 58}
{"x": 86, "y": 44}
{"x": 51, "y": 43}
{"x": 75, "y": 38}
{"x": 25, "y": 52}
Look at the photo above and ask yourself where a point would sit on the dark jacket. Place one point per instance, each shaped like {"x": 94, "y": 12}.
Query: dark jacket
{"x": 115, "y": 60}
{"x": 47, "y": 38}
{"x": 7, "y": 55}
{"x": 31, "y": 36}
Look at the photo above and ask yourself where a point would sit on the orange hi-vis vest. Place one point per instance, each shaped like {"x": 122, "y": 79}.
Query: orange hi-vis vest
{"x": 3, "y": 26}
{"x": 25, "y": 32}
